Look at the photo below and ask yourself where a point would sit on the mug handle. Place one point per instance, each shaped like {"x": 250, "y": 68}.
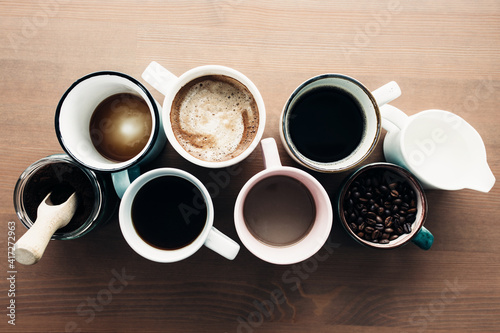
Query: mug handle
{"x": 223, "y": 245}
{"x": 423, "y": 239}
{"x": 393, "y": 119}
{"x": 159, "y": 77}
{"x": 122, "y": 179}
{"x": 270, "y": 153}
{"x": 387, "y": 93}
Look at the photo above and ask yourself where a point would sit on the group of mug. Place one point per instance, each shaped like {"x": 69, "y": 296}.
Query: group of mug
{"x": 282, "y": 214}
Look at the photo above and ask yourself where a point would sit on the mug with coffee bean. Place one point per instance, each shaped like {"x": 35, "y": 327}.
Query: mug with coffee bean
{"x": 382, "y": 205}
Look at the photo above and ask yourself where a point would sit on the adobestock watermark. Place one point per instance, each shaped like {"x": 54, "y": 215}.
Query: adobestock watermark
{"x": 220, "y": 180}
{"x": 291, "y": 279}
{"x": 447, "y": 124}
{"x": 31, "y": 26}
{"x": 372, "y": 28}
{"x": 428, "y": 314}
{"x": 91, "y": 305}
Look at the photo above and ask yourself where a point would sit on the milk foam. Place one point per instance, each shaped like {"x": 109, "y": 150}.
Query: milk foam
{"x": 214, "y": 118}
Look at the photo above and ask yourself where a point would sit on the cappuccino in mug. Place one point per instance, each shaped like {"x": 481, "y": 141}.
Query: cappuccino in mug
{"x": 214, "y": 118}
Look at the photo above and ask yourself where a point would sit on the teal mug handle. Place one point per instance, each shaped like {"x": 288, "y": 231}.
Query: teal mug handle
{"x": 423, "y": 239}
{"x": 122, "y": 179}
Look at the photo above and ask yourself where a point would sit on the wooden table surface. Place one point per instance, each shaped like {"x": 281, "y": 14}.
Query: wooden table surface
{"x": 443, "y": 54}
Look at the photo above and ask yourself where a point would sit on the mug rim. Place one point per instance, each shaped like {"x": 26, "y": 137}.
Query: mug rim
{"x": 139, "y": 245}
{"x": 326, "y": 167}
{"x": 409, "y": 177}
{"x": 290, "y": 253}
{"x": 207, "y": 70}
{"x": 122, "y": 165}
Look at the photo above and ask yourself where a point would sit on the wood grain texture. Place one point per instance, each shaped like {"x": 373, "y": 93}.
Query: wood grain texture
{"x": 444, "y": 54}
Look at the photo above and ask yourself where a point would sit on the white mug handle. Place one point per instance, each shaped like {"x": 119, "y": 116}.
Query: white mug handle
{"x": 223, "y": 245}
{"x": 387, "y": 93}
{"x": 393, "y": 119}
{"x": 159, "y": 77}
{"x": 270, "y": 153}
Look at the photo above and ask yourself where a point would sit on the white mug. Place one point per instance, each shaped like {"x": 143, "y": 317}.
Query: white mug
{"x": 368, "y": 103}
{"x": 73, "y": 115}
{"x": 169, "y": 85}
{"x": 310, "y": 242}
{"x": 209, "y": 235}
{"x": 440, "y": 148}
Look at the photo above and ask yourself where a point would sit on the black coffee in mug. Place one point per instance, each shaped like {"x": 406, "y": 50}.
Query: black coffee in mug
{"x": 169, "y": 212}
{"x": 326, "y": 124}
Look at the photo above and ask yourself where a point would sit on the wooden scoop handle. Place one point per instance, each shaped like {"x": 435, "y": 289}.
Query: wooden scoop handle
{"x": 30, "y": 247}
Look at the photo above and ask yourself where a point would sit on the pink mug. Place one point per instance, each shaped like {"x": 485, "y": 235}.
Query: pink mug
{"x": 282, "y": 214}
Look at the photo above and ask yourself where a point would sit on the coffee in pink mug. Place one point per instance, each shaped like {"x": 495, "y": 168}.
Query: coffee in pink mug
{"x": 282, "y": 215}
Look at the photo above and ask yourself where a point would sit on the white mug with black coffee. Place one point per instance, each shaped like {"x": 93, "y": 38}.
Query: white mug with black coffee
{"x": 332, "y": 123}
{"x": 214, "y": 116}
{"x": 166, "y": 215}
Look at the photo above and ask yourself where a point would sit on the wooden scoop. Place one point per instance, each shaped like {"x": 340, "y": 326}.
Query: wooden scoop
{"x": 30, "y": 247}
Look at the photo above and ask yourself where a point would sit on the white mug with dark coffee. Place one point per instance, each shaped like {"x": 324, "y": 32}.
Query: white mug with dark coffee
{"x": 109, "y": 122}
{"x": 332, "y": 123}
{"x": 214, "y": 116}
{"x": 167, "y": 214}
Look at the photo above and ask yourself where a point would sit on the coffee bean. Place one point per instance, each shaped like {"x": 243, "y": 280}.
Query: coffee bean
{"x": 378, "y": 211}
{"x": 371, "y": 222}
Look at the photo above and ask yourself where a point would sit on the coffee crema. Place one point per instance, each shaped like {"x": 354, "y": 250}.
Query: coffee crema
{"x": 214, "y": 118}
